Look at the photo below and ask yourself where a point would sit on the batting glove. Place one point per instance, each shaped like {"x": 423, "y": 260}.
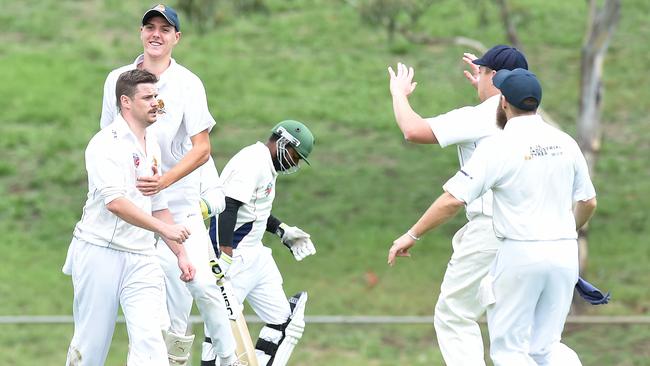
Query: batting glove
{"x": 297, "y": 241}
{"x": 220, "y": 266}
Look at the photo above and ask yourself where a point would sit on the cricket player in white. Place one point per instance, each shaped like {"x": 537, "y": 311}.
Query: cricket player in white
{"x": 182, "y": 132}
{"x": 536, "y": 173}
{"x": 475, "y": 244}
{"x": 248, "y": 182}
{"x": 112, "y": 254}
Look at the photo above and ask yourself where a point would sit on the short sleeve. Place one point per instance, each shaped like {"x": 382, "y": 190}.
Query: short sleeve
{"x": 239, "y": 179}
{"x": 105, "y": 173}
{"x": 196, "y": 115}
{"x": 464, "y": 125}
{"x": 583, "y": 188}
{"x": 476, "y": 177}
{"x": 109, "y": 102}
{"x": 159, "y": 202}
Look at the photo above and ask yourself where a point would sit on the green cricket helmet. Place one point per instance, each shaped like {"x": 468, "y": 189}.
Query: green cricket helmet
{"x": 297, "y": 135}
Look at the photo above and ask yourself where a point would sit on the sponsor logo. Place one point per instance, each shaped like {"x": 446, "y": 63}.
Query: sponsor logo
{"x": 539, "y": 151}
{"x": 136, "y": 160}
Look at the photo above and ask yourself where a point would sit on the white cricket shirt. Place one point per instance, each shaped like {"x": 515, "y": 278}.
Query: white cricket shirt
{"x": 467, "y": 127}
{"x": 186, "y": 114}
{"x": 114, "y": 160}
{"x": 249, "y": 177}
{"x": 536, "y": 173}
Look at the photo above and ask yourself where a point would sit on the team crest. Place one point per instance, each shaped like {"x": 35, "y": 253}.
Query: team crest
{"x": 136, "y": 160}
{"x": 161, "y": 106}
{"x": 269, "y": 189}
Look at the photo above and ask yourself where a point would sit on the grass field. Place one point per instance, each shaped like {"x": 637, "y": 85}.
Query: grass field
{"x": 315, "y": 61}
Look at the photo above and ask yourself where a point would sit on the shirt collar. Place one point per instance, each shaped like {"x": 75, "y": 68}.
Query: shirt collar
{"x": 269, "y": 161}
{"x": 122, "y": 129}
{"x": 520, "y": 122}
{"x": 164, "y": 76}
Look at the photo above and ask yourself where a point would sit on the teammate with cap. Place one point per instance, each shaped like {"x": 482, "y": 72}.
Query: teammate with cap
{"x": 537, "y": 174}
{"x": 182, "y": 132}
{"x": 112, "y": 256}
{"x": 248, "y": 181}
{"x": 475, "y": 244}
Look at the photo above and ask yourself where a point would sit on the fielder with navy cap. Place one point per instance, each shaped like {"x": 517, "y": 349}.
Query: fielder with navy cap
{"x": 475, "y": 244}
{"x": 542, "y": 194}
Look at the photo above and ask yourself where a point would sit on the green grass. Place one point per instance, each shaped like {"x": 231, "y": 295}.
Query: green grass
{"x": 315, "y": 61}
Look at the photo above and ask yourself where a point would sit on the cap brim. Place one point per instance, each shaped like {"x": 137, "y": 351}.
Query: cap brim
{"x": 499, "y": 77}
{"x": 479, "y": 61}
{"x": 148, "y": 15}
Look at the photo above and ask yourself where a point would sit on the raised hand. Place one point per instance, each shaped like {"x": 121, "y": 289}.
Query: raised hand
{"x": 401, "y": 83}
{"x": 473, "y": 74}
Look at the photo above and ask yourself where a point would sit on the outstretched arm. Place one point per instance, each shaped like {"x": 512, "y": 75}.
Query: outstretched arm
{"x": 412, "y": 125}
{"x": 444, "y": 208}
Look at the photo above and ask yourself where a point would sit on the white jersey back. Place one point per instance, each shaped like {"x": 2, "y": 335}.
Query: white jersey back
{"x": 249, "y": 177}
{"x": 467, "y": 127}
{"x": 536, "y": 173}
{"x": 185, "y": 115}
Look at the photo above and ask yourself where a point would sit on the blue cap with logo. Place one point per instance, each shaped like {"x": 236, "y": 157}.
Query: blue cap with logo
{"x": 165, "y": 11}
{"x": 518, "y": 85}
{"x": 502, "y": 57}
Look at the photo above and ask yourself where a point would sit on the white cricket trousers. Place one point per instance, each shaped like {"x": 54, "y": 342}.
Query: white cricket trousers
{"x": 458, "y": 309}
{"x": 255, "y": 277}
{"x": 203, "y": 289}
{"x": 103, "y": 279}
{"x": 533, "y": 287}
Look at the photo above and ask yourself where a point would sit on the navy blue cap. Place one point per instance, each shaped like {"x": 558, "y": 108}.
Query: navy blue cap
{"x": 167, "y": 12}
{"x": 503, "y": 57}
{"x": 517, "y": 85}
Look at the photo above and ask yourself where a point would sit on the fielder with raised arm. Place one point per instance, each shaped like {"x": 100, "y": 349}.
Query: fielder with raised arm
{"x": 249, "y": 187}
{"x": 112, "y": 254}
{"x": 182, "y": 131}
{"x": 537, "y": 174}
{"x": 475, "y": 244}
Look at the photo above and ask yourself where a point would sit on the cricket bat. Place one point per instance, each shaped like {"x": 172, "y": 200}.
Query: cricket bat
{"x": 244, "y": 345}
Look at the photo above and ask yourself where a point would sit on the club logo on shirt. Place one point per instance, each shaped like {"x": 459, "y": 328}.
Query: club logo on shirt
{"x": 161, "y": 106}
{"x": 269, "y": 189}
{"x": 136, "y": 160}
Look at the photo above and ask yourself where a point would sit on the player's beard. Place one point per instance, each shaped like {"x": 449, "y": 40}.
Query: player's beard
{"x": 502, "y": 119}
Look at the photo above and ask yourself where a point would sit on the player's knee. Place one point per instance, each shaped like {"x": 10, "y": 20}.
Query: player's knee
{"x": 277, "y": 341}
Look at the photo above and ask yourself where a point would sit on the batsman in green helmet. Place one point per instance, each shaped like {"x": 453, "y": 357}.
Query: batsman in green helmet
{"x": 248, "y": 185}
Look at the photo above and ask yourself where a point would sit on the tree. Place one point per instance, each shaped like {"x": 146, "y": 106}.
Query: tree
{"x": 601, "y": 24}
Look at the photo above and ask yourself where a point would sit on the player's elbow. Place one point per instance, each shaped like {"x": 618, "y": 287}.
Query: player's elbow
{"x": 419, "y": 135}
{"x": 115, "y": 207}
{"x": 203, "y": 153}
{"x": 591, "y": 204}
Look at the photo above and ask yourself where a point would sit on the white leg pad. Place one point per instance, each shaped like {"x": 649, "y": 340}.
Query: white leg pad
{"x": 178, "y": 348}
{"x": 294, "y": 330}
